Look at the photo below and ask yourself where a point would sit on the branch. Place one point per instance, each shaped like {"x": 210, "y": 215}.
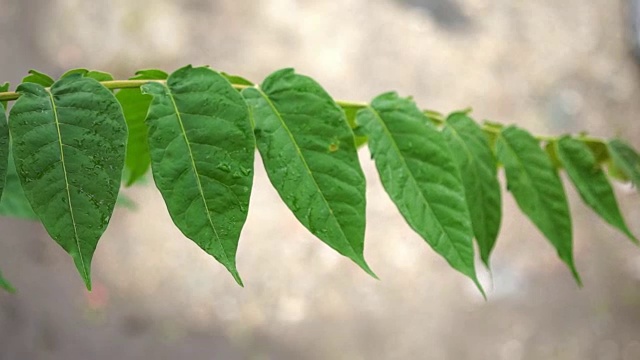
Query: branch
{"x": 492, "y": 129}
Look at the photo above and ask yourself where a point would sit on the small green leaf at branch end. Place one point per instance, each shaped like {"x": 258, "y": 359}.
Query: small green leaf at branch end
{"x": 38, "y": 77}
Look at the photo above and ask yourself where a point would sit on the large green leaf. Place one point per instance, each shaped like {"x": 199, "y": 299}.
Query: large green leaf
{"x": 310, "y": 156}
{"x": 592, "y": 183}
{"x": 625, "y": 159}
{"x": 69, "y": 147}
{"x": 536, "y": 186}
{"x": 4, "y": 284}
{"x": 470, "y": 149}
{"x": 419, "y": 173}
{"x": 135, "y": 105}
{"x": 202, "y": 151}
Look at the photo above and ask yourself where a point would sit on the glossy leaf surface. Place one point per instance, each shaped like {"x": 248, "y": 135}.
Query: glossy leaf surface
{"x": 202, "y": 152}
{"x": 68, "y": 147}
{"x": 418, "y": 172}
{"x": 537, "y": 189}
{"x": 310, "y": 156}
{"x": 477, "y": 164}
{"x": 591, "y": 182}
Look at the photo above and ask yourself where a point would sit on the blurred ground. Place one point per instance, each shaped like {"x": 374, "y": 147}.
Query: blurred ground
{"x": 548, "y": 65}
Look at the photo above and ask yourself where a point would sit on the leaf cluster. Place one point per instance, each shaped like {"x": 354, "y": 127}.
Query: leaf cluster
{"x": 69, "y": 144}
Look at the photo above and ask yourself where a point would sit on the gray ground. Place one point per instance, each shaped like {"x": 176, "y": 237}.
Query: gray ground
{"x": 552, "y": 66}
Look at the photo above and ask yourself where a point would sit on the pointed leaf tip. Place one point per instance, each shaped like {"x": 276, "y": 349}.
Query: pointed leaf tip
{"x": 417, "y": 170}
{"x": 537, "y": 189}
{"x": 68, "y": 148}
{"x": 202, "y": 154}
{"x": 591, "y": 182}
{"x": 309, "y": 153}
{"x": 478, "y": 169}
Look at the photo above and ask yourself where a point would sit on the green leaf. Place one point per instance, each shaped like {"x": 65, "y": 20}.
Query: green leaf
{"x": 4, "y": 146}
{"x": 598, "y": 148}
{"x": 99, "y": 75}
{"x": 350, "y": 112}
{"x": 592, "y": 184}
{"x": 418, "y": 172}
{"x": 4, "y": 284}
{"x": 69, "y": 147}
{"x": 536, "y": 186}
{"x": 38, "y": 78}
{"x": 94, "y": 74}
{"x": 477, "y": 164}
{"x": 14, "y": 203}
{"x": 135, "y": 105}
{"x": 4, "y": 87}
{"x": 310, "y": 157}
{"x": 625, "y": 159}
{"x": 236, "y": 80}
{"x": 4, "y": 149}
{"x": 74, "y": 72}
{"x": 202, "y": 152}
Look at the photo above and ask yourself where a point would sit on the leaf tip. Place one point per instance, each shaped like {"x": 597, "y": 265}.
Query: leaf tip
{"x": 576, "y": 276}
{"x": 479, "y": 286}
{"x": 84, "y": 268}
{"x": 236, "y": 276}
{"x": 486, "y": 262}
{"x": 361, "y": 262}
{"x": 632, "y": 237}
{"x": 87, "y": 282}
{"x": 7, "y": 287}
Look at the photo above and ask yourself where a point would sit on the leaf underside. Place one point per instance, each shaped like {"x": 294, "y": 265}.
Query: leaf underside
{"x": 310, "y": 156}
{"x": 202, "y": 152}
{"x": 135, "y": 105}
{"x": 537, "y": 189}
{"x": 68, "y": 148}
{"x": 417, "y": 171}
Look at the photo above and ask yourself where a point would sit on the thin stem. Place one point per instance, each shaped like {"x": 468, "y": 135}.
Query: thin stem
{"x": 436, "y": 117}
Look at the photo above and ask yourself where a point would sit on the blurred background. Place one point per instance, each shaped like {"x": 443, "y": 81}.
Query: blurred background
{"x": 550, "y": 66}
